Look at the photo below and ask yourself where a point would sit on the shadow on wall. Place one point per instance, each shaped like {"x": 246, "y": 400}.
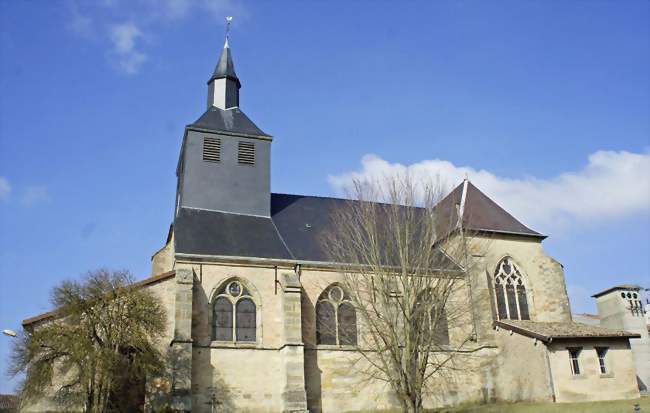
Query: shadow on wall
{"x": 642, "y": 386}
{"x": 312, "y": 371}
{"x": 209, "y": 390}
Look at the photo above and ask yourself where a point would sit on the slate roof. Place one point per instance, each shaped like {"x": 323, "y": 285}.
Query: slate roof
{"x": 202, "y": 232}
{"x": 231, "y": 120}
{"x": 225, "y": 67}
{"x": 292, "y": 231}
{"x": 547, "y": 331}
{"x": 480, "y": 213}
{"x": 632, "y": 287}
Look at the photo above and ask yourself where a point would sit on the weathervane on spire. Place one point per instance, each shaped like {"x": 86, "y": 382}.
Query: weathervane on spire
{"x": 228, "y": 21}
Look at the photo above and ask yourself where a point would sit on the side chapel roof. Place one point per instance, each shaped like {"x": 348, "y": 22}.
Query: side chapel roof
{"x": 548, "y": 331}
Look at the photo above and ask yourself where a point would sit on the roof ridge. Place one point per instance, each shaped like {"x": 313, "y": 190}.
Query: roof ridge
{"x": 282, "y": 239}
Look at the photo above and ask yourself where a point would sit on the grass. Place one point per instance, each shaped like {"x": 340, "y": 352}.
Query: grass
{"x": 616, "y": 406}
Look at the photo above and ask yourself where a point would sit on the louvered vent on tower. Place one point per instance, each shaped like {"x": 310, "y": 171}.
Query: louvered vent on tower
{"x": 246, "y": 154}
{"x": 212, "y": 149}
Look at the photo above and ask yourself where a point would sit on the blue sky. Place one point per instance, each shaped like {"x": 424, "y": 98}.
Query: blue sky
{"x": 544, "y": 104}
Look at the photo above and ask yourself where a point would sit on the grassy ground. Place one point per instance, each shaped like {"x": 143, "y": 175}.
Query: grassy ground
{"x": 618, "y": 406}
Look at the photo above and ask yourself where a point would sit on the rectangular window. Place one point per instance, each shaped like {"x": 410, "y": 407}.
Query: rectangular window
{"x": 602, "y": 363}
{"x": 211, "y": 149}
{"x": 246, "y": 153}
{"x": 574, "y": 358}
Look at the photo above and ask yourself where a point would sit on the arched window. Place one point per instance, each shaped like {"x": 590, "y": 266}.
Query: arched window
{"x": 235, "y": 314}
{"x": 336, "y": 319}
{"x": 441, "y": 328}
{"x": 510, "y": 292}
{"x": 434, "y": 323}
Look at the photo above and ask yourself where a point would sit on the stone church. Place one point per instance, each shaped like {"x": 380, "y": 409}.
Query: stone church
{"x": 242, "y": 271}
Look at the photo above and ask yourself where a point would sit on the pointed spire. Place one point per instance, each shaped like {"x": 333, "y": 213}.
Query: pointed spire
{"x": 224, "y": 85}
{"x": 225, "y": 68}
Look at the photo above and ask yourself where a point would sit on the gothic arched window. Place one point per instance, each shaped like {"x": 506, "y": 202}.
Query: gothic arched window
{"x": 510, "y": 292}
{"x": 433, "y": 322}
{"x": 235, "y": 314}
{"x": 336, "y": 318}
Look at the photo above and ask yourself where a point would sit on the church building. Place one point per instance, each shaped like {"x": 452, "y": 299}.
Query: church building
{"x": 242, "y": 274}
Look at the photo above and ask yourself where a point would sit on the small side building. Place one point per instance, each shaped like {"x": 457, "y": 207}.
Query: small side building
{"x": 578, "y": 358}
{"x": 621, "y": 307}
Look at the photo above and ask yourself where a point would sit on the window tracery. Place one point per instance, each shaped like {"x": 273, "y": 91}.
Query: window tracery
{"x": 510, "y": 292}
{"x": 336, "y": 318}
{"x": 234, "y": 314}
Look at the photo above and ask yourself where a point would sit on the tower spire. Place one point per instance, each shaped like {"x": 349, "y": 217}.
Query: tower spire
{"x": 224, "y": 85}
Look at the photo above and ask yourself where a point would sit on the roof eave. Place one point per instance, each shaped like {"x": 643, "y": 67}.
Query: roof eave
{"x": 195, "y": 128}
{"x": 549, "y": 338}
{"x": 539, "y": 236}
{"x": 180, "y": 256}
{"x": 229, "y": 77}
{"x": 616, "y": 288}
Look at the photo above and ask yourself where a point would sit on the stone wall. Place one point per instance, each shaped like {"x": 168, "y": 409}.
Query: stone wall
{"x": 262, "y": 376}
{"x": 521, "y": 370}
{"x": 590, "y": 385}
{"x": 543, "y": 277}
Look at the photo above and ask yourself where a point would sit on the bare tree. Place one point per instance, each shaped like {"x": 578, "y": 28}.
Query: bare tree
{"x": 101, "y": 342}
{"x": 405, "y": 270}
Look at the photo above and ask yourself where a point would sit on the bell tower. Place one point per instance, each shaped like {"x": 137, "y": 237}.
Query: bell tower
{"x": 225, "y": 160}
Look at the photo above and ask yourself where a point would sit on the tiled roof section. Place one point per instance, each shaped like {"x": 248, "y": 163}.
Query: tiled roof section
{"x": 547, "y": 331}
{"x": 633, "y": 287}
{"x": 8, "y": 402}
{"x": 231, "y": 120}
{"x": 147, "y": 281}
{"x": 584, "y": 318}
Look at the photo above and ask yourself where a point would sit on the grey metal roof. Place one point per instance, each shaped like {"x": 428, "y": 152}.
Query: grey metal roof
{"x": 225, "y": 67}
{"x": 231, "y": 120}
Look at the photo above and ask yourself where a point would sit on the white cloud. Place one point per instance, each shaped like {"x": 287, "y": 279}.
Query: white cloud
{"x": 613, "y": 184}
{"x": 123, "y": 37}
{"x": 130, "y": 21}
{"x": 5, "y": 188}
{"x": 34, "y": 195}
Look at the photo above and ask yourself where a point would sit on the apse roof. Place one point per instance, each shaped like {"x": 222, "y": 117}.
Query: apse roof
{"x": 480, "y": 213}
